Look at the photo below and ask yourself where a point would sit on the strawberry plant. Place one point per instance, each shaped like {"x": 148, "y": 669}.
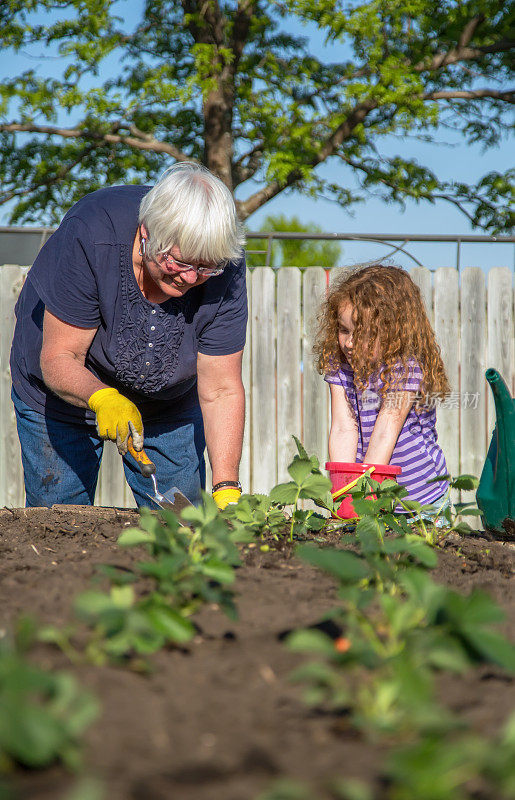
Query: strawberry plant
{"x": 443, "y": 766}
{"x": 395, "y": 643}
{"x": 42, "y": 714}
{"x": 190, "y": 562}
{"x": 308, "y": 483}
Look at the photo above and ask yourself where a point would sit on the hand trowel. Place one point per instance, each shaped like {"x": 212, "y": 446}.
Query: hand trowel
{"x": 172, "y": 500}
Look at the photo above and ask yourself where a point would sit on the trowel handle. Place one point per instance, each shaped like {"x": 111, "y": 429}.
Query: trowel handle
{"x": 146, "y": 466}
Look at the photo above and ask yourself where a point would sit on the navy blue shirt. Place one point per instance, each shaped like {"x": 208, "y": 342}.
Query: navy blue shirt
{"x": 148, "y": 351}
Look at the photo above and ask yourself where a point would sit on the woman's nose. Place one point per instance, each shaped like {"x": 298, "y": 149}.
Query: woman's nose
{"x": 190, "y": 276}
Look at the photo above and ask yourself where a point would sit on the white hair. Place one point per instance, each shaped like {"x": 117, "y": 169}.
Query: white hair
{"x": 193, "y": 210}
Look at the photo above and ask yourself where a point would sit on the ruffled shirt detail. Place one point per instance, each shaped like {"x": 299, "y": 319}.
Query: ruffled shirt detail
{"x": 148, "y": 336}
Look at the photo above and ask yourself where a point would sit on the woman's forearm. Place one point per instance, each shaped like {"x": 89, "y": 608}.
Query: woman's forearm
{"x": 69, "y": 379}
{"x": 224, "y": 421}
{"x": 62, "y": 361}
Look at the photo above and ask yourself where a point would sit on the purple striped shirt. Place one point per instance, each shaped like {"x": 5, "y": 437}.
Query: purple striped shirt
{"x": 416, "y": 450}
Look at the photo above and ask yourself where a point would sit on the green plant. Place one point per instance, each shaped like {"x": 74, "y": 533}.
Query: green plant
{"x": 445, "y": 768}
{"x": 381, "y": 502}
{"x": 394, "y": 643}
{"x": 308, "y": 483}
{"x": 42, "y": 714}
{"x": 257, "y": 515}
{"x": 190, "y": 562}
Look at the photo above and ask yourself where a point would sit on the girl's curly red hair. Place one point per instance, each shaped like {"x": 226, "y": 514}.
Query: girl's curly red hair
{"x": 390, "y": 319}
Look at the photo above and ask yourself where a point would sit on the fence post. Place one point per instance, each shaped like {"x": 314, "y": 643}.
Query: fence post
{"x": 289, "y": 390}
{"x": 263, "y": 385}
{"x": 315, "y": 391}
{"x": 12, "y": 493}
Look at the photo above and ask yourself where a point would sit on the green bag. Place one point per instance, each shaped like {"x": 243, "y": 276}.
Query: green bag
{"x": 495, "y": 495}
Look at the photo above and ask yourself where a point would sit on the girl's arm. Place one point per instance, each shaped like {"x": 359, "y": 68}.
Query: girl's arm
{"x": 388, "y": 425}
{"x": 343, "y": 436}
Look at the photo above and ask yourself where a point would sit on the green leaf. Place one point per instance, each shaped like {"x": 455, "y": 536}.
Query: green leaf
{"x": 446, "y": 652}
{"x": 300, "y": 447}
{"x": 315, "y": 522}
{"x": 465, "y": 482}
{"x": 347, "y": 567}
{"x": 168, "y": 622}
{"x": 35, "y": 737}
{"x": 90, "y": 604}
{"x": 478, "y": 608}
{"x": 133, "y": 537}
{"x": 463, "y": 528}
{"x": 351, "y": 789}
{"x": 468, "y": 512}
{"x": 122, "y": 596}
{"x": 491, "y": 646}
{"x": 284, "y": 493}
{"x": 218, "y": 571}
{"x": 315, "y": 487}
{"x": 299, "y": 469}
{"x": 311, "y": 641}
{"x": 413, "y": 545}
{"x": 116, "y": 575}
{"x": 362, "y": 505}
{"x": 87, "y": 789}
{"x": 439, "y": 479}
{"x": 370, "y": 531}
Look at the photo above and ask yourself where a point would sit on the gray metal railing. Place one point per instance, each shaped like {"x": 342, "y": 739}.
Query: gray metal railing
{"x": 20, "y": 244}
{"x": 378, "y": 238}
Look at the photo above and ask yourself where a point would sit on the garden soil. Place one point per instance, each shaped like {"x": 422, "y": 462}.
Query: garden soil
{"x": 219, "y": 719}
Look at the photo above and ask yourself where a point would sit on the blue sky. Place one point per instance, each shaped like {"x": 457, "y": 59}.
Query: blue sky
{"x": 449, "y": 159}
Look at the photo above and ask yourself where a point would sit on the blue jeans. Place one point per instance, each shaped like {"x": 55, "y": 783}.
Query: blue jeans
{"x": 61, "y": 459}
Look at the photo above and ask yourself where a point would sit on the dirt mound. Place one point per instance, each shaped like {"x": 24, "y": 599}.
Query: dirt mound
{"x": 218, "y": 719}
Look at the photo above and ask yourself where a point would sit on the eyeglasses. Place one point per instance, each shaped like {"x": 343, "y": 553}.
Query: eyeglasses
{"x": 183, "y": 266}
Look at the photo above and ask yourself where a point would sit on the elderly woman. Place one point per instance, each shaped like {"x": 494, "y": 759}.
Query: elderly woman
{"x": 132, "y": 321}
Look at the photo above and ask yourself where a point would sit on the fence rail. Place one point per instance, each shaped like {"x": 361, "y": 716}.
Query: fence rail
{"x": 396, "y": 241}
{"x": 473, "y": 317}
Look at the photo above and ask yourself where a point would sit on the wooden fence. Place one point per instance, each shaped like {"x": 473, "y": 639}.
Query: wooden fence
{"x": 473, "y": 317}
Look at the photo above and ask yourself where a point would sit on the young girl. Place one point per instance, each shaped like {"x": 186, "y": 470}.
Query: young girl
{"x": 378, "y": 353}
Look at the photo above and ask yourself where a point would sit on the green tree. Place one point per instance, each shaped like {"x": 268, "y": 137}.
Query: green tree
{"x": 293, "y": 252}
{"x": 227, "y": 84}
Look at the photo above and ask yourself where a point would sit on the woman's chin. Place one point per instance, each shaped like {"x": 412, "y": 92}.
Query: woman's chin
{"x": 168, "y": 286}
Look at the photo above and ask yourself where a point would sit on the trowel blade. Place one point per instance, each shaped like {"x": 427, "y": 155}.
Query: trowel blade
{"x": 174, "y": 500}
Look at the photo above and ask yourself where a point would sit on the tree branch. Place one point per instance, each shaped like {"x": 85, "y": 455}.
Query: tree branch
{"x": 470, "y": 29}
{"x": 241, "y": 172}
{"x": 472, "y": 94}
{"x": 63, "y": 170}
{"x": 246, "y": 207}
{"x": 460, "y": 53}
{"x": 360, "y": 165}
{"x": 140, "y": 142}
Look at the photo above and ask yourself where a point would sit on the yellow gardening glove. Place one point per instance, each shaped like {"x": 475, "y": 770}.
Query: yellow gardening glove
{"x": 117, "y": 417}
{"x": 224, "y": 497}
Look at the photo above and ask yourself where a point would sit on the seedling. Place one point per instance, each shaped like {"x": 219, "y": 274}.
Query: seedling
{"x": 43, "y": 715}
